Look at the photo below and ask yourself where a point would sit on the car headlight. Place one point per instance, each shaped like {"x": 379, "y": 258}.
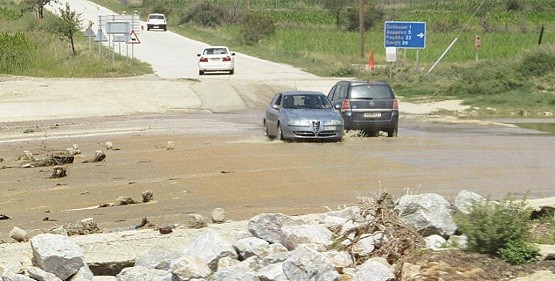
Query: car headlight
{"x": 299, "y": 123}
{"x": 336, "y": 122}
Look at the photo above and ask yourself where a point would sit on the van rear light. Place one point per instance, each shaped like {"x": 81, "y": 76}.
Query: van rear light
{"x": 395, "y": 104}
{"x": 203, "y": 59}
{"x": 346, "y": 105}
{"x": 228, "y": 58}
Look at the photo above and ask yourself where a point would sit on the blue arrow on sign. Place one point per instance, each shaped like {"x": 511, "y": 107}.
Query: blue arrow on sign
{"x": 407, "y": 35}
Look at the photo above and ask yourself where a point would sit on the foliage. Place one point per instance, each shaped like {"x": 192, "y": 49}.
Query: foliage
{"x": 256, "y": 27}
{"x": 371, "y": 17}
{"x": 67, "y": 25}
{"x": 487, "y": 78}
{"x": 336, "y": 8}
{"x": 9, "y": 14}
{"x": 15, "y": 52}
{"x": 518, "y": 252}
{"x": 499, "y": 228}
{"x": 204, "y": 13}
{"x": 37, "y": 6}
{"x": 538, "y": 62}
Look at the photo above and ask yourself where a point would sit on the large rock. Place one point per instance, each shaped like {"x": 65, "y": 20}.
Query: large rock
{"x": 465, "y": 200}
{"x": 189, "y": 267}
{"x": 10, "y": 276}
{"x": 308, "y": 264}
{"x": 39, "y": 274}
{"x": 158, "y": 258}
{"x": 209, "y": 247}
{"x": 295, "y": 235}
{"x": 268, "y": 226}
{"x": 236, "y": 273}
{"x": 251, "y": 246}
{"x": 137, "y": 273}
{"x": 372, "y": 270}
{"x": 429, "y": 213}
{"x": 57, "y": 254}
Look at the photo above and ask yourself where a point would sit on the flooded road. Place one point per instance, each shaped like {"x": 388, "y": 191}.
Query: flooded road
{"x": 223, "y": 160}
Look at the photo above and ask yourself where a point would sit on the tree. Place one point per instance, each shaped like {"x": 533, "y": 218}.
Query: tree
{"x": 336, "y": 7}
{"x": 67, "y": 25}
{"x": 37, "y": 6}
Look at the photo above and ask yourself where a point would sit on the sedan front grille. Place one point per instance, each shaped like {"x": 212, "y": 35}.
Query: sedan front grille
{"x": 316, "y": 126}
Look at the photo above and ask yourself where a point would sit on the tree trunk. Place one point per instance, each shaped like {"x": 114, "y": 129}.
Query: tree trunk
{"x": 70, "y": 35}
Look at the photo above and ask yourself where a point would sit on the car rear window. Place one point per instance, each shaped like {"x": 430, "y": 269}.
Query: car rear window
{"x": 157, "y": 17}
{"x": 215, "y": 51}
{"x": 370, "y": 92}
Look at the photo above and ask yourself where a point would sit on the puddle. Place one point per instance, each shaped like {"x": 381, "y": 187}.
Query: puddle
{"x": 544, "y": 127}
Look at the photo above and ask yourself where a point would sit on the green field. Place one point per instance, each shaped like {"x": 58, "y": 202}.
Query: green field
{"x": 509, "y": 66}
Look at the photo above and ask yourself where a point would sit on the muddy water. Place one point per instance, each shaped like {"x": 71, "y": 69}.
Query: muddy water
{"x": 223, "y": 160}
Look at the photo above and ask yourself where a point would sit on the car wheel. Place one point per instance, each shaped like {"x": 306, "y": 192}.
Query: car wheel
{"x": 165, "y": 29}
{"x": 280, "y": 133}
{"x": 266, "y": 131}
{"x": 392, "y": 133}
{"x": 200, "y": 72}
{"x": 367, "y": 133}
{"x": 232, "y": 71}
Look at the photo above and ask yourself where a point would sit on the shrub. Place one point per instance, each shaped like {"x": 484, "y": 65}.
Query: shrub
{"x": 500, "y": 229}
{"x": 255, "y": 27}
{"x": 518, "y": 252}
{"x": 15, "y": 52}
{"x": 487, "y": 78}
{"x": 204, "y": 13}
{"x": 538, "y": 62}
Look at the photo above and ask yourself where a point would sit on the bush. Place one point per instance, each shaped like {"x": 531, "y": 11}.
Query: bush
{"x": 15, "y": 52}
{"x": 518, "y": 252}
{"x": 538, "y": 63}
{"x": 487, "y": 78}
{"x": 500, "y": 229}
{"x": 256, "y": 27}
{"x": 204, "y": 13}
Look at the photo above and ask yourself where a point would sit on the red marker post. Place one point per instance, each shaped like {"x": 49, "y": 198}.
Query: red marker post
{"x": 477, "y": 43}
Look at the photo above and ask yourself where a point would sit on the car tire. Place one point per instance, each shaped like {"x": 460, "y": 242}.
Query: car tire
{"x": 165, "y": 28}
{"x": 392, "y": 133}
{"x": 280, "y": 133}
{"x": 231, "y": 72}
{"x": 200, "y": 72}
{"x": 369, "y": 133}
{"x": 266, "y": 131}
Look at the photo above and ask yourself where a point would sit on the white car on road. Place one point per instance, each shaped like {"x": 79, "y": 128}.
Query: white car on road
{"x": 156, "y": 21}
{"x": 216, "y": 58}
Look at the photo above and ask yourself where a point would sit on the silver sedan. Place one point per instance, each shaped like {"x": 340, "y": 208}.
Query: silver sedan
{"x": 297, "y": 115}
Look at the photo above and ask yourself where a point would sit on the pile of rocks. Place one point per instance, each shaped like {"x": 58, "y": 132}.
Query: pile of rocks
{"x": 328, "y": 246}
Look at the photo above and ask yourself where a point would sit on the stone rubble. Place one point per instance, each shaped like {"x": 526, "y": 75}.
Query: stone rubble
{"x": 268, "y": 247}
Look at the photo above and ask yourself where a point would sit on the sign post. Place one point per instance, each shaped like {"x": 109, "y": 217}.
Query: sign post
{"x": 477, "y": 43}
{"x": 405, "y": 35}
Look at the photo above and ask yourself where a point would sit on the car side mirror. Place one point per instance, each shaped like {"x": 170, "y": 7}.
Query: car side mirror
{"x": 198, "y": 55}
{"x": 275, "y": 106}
{"x": 337, "y": 106}
{"x": 233, "y": 54}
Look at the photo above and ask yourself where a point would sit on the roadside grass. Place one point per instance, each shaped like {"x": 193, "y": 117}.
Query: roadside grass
{"x": 51, "y": 55}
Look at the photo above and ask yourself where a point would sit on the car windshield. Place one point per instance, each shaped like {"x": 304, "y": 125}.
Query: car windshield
{"x": 370, "y": 92}
{"x": 306, "y": 101}
{"x": 215, "y": 51}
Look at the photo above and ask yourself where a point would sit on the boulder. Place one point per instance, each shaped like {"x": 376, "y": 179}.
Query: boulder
{"x": 429, "y": 213}
{"x": 306, "y": 263}
{"x": 57, "y": 254}
{"x": 209, "y": 247}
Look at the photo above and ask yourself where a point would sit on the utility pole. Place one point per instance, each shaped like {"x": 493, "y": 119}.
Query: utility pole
{"x": 361, "y": 26}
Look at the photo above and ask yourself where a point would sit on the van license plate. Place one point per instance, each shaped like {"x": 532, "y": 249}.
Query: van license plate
{"x": 372, "y": 115}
